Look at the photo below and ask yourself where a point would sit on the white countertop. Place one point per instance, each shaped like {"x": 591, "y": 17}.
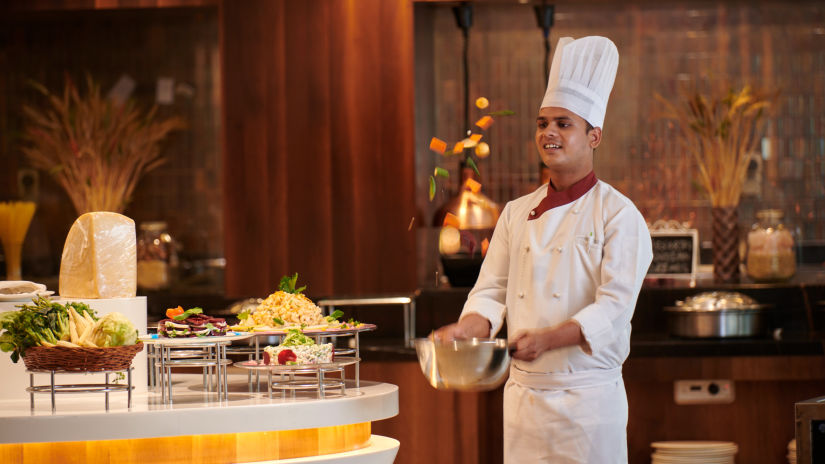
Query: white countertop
{"x": 83, "y": 416}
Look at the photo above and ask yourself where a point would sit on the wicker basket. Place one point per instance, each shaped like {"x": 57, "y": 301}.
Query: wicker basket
{"x": 61, "y": 358}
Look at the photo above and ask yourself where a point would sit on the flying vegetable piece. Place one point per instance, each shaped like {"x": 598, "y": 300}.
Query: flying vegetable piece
{"x": 485, "y": 244}
{"x": 458, "y": 148}
{"x": 441, "y": 172}
{"x": 482, "y": 150}
{"x": 452, "y": 220}
{"x": 485, "y": 122}
{"x": 432, "y": 188}
{"x": 476, "y": 137}
{"x": 473, "y": 185}
{"x": 472, "y": 164}
{"x": 449, "y": 240}
{"x": 502, "y": 113}
{"x": 482, "y": 103}
{"x": 437, "y": 145}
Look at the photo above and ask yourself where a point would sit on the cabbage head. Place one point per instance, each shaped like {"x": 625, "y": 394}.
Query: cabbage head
{"x": 114, "y": 329}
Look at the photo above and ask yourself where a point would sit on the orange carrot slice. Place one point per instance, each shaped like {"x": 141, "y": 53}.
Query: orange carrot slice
{"x": 485, "y": 122}
{"x": 473, "y": 185}
{"x": 452, "y": 220}
{"x": 437, "y": 145}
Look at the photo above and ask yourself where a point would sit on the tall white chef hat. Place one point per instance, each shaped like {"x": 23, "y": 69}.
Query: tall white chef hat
{"x": 581, "y": 77}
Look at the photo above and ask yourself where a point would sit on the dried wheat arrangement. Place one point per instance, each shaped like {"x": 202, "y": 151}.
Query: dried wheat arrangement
{"x": 96, "y": 149}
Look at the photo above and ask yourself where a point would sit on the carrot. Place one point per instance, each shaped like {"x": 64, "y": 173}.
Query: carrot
{"x": 452, "y": 220}
{"x": 473, "y": 185}
{"x": 485, "y": 122}
{"x": 438, "y": 145}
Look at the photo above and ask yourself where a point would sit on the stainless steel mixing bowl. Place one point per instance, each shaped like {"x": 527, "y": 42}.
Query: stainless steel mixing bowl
{"x": 476, "y": 364}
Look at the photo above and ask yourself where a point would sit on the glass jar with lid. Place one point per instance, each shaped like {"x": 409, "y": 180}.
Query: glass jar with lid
{"x": 771, "y": 253}
{"x": 155, "y": 256}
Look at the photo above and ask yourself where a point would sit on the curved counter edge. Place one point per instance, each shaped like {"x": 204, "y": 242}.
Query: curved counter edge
{"x": 84, "y": 418}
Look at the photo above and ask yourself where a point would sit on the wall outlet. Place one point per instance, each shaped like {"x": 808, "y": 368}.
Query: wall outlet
{"x": 703, "y": 391}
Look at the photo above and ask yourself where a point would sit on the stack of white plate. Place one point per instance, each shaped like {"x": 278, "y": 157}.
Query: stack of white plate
{"x": 693, "y": 452}
{"x": 792, "y": 452}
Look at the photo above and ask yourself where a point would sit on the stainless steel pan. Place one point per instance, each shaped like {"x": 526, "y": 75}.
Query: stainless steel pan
{"x": 717, "y": 314}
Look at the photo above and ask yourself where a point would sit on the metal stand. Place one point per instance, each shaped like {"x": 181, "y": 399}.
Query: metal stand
{"x": 210, "y": 355}
{"x": 319, "y": 337}
{"x": 407, "y": 305}
{"x": 105, "y": 387}
{"x": 294, "y": 378}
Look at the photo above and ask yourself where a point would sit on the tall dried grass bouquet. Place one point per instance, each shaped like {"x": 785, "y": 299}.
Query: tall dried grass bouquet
{"x": 720, "y": 130}
{"x": 95, "y": 148}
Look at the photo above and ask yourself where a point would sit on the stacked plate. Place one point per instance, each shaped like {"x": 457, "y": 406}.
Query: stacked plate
{"x": 792, "y": 452}
{"x": 693, "y": 452}
{"x": 21, "y": 290}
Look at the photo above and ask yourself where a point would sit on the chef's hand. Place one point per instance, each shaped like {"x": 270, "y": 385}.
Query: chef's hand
{"x": 529, "y": 344}
{"x": 472, "y": 325}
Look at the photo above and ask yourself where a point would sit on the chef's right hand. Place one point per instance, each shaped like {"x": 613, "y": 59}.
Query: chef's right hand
{"x": 449, "y": 333}
{"x": 472, "y": 325}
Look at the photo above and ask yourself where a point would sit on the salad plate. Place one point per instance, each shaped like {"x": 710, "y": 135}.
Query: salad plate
{"x": 25, "y": 296}
{"x": 230, "y": 336}
{"x": 338, "y": 362}
{"x": 309, "y": 330}
{"x": 10, "y": 290}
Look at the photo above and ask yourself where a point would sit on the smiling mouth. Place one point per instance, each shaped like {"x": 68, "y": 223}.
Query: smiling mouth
{"x": 551, "y": 145}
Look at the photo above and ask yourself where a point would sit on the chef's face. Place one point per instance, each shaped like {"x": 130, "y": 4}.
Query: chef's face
{"x": 564, "y": 141}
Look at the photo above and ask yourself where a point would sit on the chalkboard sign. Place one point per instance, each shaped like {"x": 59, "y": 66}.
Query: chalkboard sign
{"x": 675, "y": 253}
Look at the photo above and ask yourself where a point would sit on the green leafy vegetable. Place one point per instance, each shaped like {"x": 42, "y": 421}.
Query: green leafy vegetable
{"x": 244, "y": 315}
{"x": 187, "y": 313}
{"x": 334, "y": 316}
{"x": 432, "y": 188}
{"x": 288, "y": 284}
{"x": 502, "y": 113}
{"x": 277, "y": 321}
{"x": 114, "y": 329}
{"x": 42, "y": 323}
{"x": 295, "y": 337}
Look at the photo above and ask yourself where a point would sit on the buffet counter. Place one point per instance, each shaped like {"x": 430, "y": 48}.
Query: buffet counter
{"x": 247, "y": 427}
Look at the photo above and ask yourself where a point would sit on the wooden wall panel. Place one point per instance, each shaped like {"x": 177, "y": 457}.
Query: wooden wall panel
{"x": 45, "y": 5}
{"x": 318, "y": 156}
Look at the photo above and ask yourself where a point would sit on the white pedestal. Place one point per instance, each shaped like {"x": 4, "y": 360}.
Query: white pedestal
{"x": 14, "y": 376}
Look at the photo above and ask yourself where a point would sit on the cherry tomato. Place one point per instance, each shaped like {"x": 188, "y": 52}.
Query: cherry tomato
{"x": 172, "y": 312}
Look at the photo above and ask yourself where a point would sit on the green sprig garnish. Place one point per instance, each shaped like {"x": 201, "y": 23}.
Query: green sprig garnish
{"x": 288, "y": 284}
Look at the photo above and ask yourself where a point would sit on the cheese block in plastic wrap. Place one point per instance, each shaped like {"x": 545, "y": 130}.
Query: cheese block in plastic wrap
{"x": 99, "y": 257}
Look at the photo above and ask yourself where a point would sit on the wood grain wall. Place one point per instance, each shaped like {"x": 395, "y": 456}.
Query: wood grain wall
{"x": 318, "y": 145}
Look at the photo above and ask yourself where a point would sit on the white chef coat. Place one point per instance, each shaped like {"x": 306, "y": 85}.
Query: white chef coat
{"x": 585, "y": 261}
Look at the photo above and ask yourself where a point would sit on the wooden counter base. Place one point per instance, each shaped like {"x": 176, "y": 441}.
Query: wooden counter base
{"x": 217, "y": 448}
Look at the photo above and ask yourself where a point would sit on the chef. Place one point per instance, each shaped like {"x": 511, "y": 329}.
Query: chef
{"x": 564, "y": 268}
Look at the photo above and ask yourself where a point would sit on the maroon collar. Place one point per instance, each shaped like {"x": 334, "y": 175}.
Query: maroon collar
{"x": 554, "y": 198}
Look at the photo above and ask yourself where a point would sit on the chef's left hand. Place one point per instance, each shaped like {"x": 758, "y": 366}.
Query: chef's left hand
{"x": 529, "y": 344}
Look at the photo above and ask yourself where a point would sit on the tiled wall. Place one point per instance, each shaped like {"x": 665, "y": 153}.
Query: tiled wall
{"x": 662, "y": 45}
{"x": 181, "y": 44}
